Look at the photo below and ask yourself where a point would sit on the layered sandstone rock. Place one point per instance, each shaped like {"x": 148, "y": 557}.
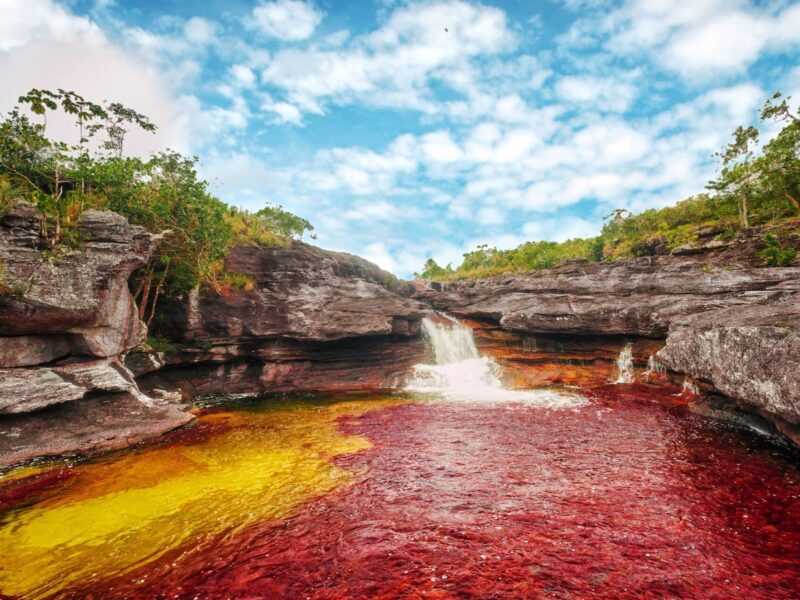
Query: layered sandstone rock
{"x": 300, "y": 292}
{"x": 750, "y": 354}
{"x": 79, "y": 296}
{"x": 313, "y": 320}
{"x": 66, "y": 319}
{"x": 727, "y": 323}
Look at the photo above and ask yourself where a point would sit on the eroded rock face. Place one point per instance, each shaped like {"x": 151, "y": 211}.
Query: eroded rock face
{"x": 26, "y": 390}
{"x": 98, "y": 423}
{"x": 314, "y": 320}
{"x": 66, "y": 317}
{"x": 281, "y": 366}
{"x": 80, "y": 295}
{"x": 300, "y": 292}
{"x": 638, "y": 297}
{"x": 730, "y": 325}
{"x": 751, "y": 354}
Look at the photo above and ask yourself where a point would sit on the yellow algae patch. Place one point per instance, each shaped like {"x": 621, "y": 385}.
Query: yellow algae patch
{"x": 125, "y": 512}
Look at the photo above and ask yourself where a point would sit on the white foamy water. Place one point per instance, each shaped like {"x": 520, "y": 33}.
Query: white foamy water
{"x": 460, "y": 373}
{"x": 625, "y": 365}
{"x": 653, "y": 366}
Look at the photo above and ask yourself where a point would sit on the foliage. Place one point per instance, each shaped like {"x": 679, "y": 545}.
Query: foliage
{"x": 159, "y": 343}
{"x": 8, "y": 195}
{"x": 270, "y": 226}
{"x": 774, "y": 254}
{"x": 238, "y": 282}
{"x": 753, "y": 188}
{"x": 163, "y": 193}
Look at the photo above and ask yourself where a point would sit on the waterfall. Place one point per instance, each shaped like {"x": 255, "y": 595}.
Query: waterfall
{"x": 625, "y": 365}
{"x": 460, "y": 373}
{"x": 653, "y": 366}
{"x": 689, "y": 388}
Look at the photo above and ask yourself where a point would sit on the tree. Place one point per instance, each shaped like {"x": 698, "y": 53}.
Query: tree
{"x": 780, "y": 164}
{"x": 737, "y": 175}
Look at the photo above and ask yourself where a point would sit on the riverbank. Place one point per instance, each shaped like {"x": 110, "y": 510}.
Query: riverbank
{"x": 79, "y": 378}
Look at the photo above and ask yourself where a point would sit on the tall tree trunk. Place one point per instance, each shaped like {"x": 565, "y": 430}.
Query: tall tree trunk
{"x": 145, "y": 295}
{"x": 153, "y": 304}
{"x": 743, "y": 211}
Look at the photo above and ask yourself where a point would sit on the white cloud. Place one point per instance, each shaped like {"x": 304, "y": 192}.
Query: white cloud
{"x": 199, "y": 31}
{"x": 700, "y": 38}
{"x": 559, "y": 229}
{"x": 288, "y": 20}
{"x": 24, "y": 22}
{"x": 283, "y": 111}
{"x": 395, "y": 65}
{"x": 243, "y": 76}
{"x": 74, "y": 66}
{"x": 379, "y": 254}
{"x": 603, "y": 93}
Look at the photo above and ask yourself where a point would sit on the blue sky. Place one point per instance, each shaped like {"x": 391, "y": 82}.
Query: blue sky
{"x": 405, "y": 130}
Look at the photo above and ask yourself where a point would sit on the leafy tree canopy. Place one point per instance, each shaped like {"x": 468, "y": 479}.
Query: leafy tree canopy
{"x": 163, "y": 192}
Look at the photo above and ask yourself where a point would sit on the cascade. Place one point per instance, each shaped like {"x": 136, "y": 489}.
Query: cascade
{"x": 653, "y": 366}
{"x": 690, "y": 388}
{"x": 625, "y": 365}
{"x": 459, "y": 372}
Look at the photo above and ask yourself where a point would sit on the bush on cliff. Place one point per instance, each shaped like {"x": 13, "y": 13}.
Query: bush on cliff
{"x": 751, "y": 189}
{"x": 163, "y": 193}
{"x": 775, "y": 255}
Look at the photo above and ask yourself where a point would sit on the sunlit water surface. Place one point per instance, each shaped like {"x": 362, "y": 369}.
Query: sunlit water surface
{"x": 626, "y": 494}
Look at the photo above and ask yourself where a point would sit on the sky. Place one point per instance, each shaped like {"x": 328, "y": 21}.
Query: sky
{"x": 409, "y": 130}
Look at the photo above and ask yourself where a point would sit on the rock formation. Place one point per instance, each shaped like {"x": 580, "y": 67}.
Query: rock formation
{"x": 732, "y": 326}
{"x": 71, "y": 342}
{"x": 66, "y": 318}
{"x": 313, "y": 320}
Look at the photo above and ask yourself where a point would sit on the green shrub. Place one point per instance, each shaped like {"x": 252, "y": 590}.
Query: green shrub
{"x": 159, "y": 343}
{"x": 774, "y": 255}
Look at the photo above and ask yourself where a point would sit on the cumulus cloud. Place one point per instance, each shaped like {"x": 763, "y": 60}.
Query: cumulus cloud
{"x": 604, "y": 93}
{"x": 288, "y": 20}
{"x": 395, "y": 64}
{"x": 25, "y": 22}
{"x": 700, "y": 38}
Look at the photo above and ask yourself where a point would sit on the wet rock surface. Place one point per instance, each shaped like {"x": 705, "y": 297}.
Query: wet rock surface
{"x": 98, "y": 423}
{"x": 731, "y": 325}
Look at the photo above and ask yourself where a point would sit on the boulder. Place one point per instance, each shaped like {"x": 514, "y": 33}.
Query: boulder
{"x": 750, "y": 354}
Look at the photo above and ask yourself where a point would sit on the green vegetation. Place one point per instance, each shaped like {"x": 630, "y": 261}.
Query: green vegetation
{"x": 775, "y": 255}
{"x": 162, "y": 193}
{"x": 159, "y": 343}
{"x": 751, "y": 189}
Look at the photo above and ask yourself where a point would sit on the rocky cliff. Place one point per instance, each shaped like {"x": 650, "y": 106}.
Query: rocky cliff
{"x": 76, "y": 375}
{"x": 311, "y": 320}
{"x": 724, "y": 321}
{"x": 66, "y": 319}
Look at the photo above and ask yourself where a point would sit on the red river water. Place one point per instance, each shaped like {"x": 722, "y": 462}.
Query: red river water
{"x": 627, "y": 496}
